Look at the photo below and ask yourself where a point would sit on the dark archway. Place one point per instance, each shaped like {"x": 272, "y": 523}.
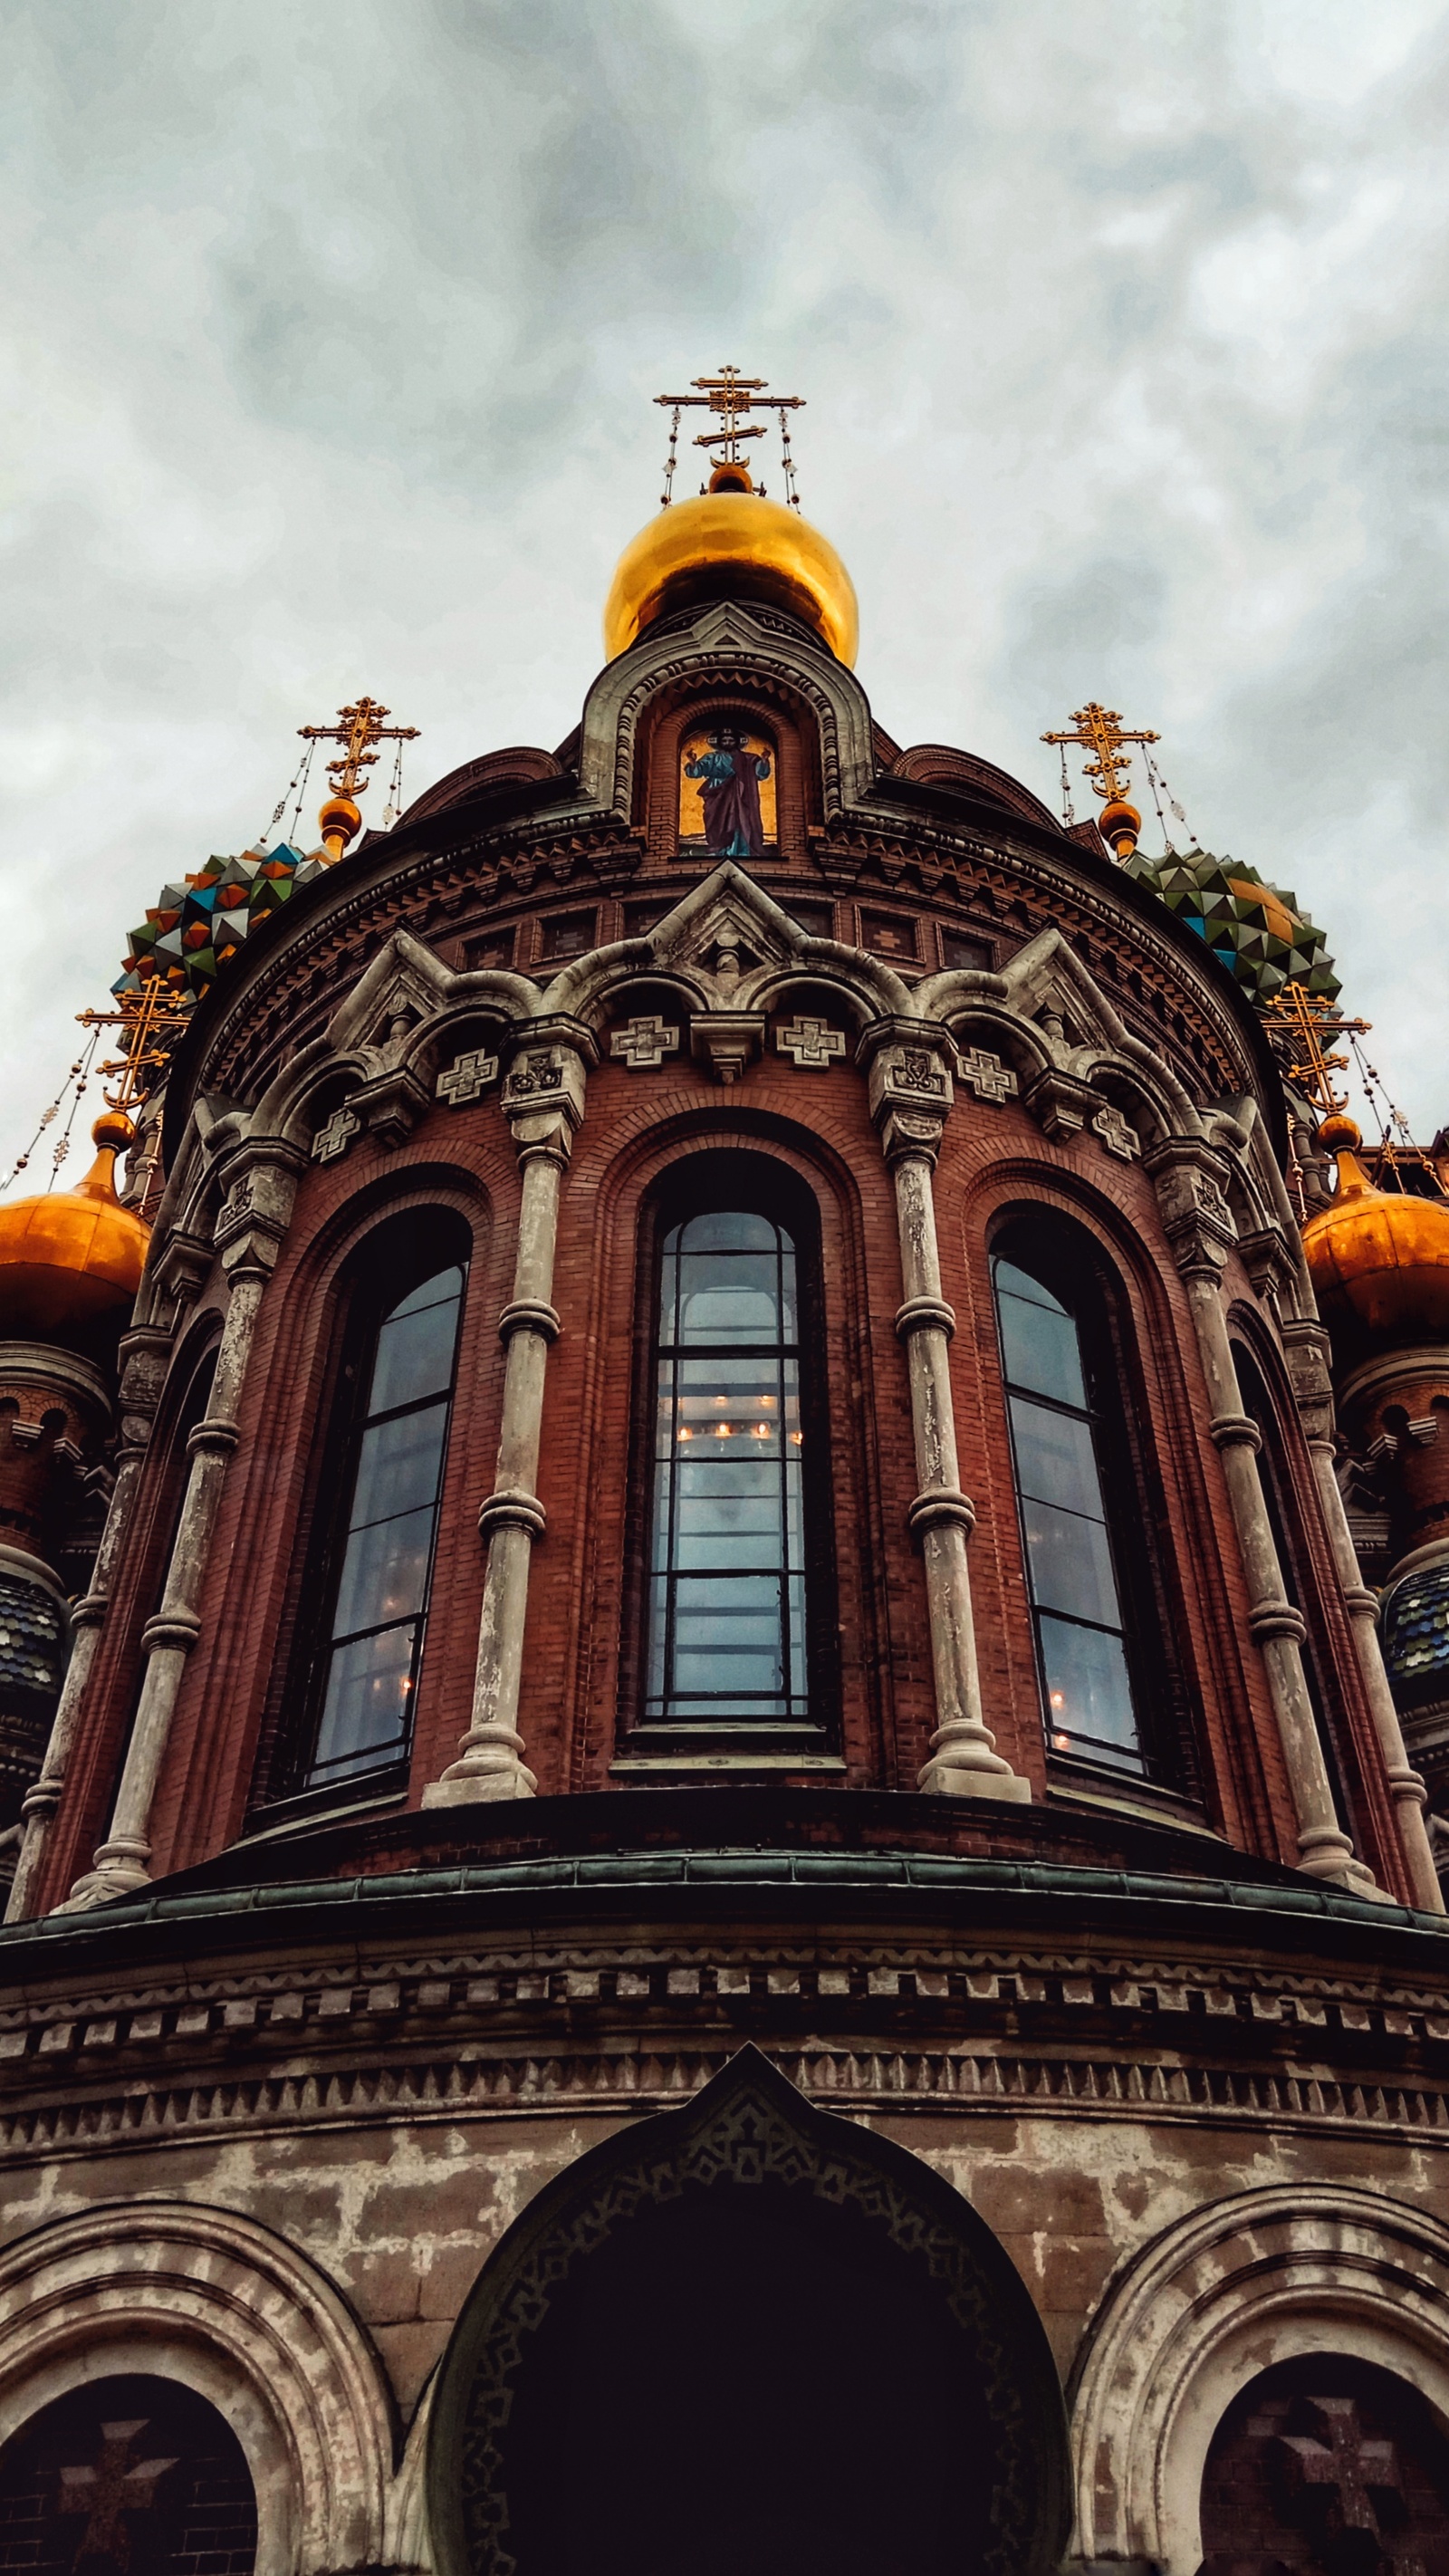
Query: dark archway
{"x": 127, "y": 2474}
{"x": 748, "y": 2333}
{"x": 1327, "y": 2466}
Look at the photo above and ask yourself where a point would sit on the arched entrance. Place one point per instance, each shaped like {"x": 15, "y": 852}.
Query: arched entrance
{"x": 125, "y": 2474}
{"x": 749, "y": 2334}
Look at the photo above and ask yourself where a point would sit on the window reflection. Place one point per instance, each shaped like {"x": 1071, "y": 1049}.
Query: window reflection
{"x": 376, "y": 1629}
{"x": 726, "y": 1623}
{"x": 1071, "y": 1574}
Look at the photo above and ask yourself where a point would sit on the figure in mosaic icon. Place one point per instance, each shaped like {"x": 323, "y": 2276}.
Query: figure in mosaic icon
{"x": 731, "y": 773}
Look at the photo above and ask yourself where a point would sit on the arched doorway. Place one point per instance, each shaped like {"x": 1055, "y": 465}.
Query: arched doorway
{"x": 1327, "y": 2466}
{"x": 748, "y": 2334}
{"x": 122, "y": 2475}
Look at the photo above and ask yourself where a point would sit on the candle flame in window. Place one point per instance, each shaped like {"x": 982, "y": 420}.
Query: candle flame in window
{"x": 722, "y": 1430}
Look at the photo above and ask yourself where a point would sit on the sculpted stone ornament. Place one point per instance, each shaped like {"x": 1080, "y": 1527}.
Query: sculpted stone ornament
{"x": 644, "y": 1042}
{"x": 1116, "y": 1135}
{"x": 986, "y": 1075}
{"x": 811, "y": 1042}
{"x": 334, "y": 1139}
{"x": 466, "y": 1077}
{"x": 726, "y": 1040}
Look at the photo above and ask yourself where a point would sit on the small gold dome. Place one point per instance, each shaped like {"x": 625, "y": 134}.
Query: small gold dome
{"x": 1379, "y": 1259}
{"x": 732, "y": 540}
{"x": 74, "y": 1257}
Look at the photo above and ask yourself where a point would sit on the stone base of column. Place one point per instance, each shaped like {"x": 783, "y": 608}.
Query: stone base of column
{"x": 477, "y": 1782}
{"x": 949, "y": 1775}
{"x": 113, "y": 1876}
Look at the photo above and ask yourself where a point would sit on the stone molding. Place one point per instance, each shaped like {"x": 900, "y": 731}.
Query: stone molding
{"x": 202, "y": 2295}
{"x": 1197, "y": 2314}
{"x": 524, "y": 2024}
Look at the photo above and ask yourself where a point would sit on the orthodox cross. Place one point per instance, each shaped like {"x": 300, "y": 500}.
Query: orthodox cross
{"x": 1101, "y": 731}
{"x": 149, "y": 1022}
{"x": 729, "y": 395}
{"x": 1302, "y": 1028}
{"x": 357, "y": 728}
{"x": 113, "y": 2486}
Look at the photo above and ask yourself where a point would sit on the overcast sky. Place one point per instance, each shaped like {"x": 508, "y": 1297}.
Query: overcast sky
{"x": 331, "y": 332}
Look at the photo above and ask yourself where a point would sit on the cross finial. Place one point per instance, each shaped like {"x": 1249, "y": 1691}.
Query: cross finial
{"x": 1101, "y": 731}
{"x": 730, "y": 396}
{"x": 357, "y": 728}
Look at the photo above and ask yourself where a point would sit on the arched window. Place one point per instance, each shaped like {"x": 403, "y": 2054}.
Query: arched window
{"x": 371, "y": 1559}
{"x": 726, "y": 1613}
{"x": 1080, "y": 1501}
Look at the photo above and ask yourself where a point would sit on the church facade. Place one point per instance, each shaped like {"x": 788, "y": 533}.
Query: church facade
{"x": 726, "y": 1870}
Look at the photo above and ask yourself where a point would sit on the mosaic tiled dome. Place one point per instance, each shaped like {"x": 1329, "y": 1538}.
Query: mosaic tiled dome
{"x": 1255, "y": 928}
{"x": 194, "y": 927}
{"x": 1416, "y": 1636}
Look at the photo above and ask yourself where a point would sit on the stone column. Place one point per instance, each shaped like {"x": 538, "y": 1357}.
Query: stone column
{"x": 1200, "y": 1229}
{"x": 144, "y": 1354}
{"x": 1312, "y": 1385}
{"x": 254, "y": 1219}
{"x": 543, "y": 1101}
{"x": 910, "y": 1097}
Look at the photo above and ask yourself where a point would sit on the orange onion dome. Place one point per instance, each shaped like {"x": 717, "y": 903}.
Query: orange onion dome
{"x": 732, "y": 541}
{"x": 74, "y": 1258}
{"x": 1379, "y": 1259}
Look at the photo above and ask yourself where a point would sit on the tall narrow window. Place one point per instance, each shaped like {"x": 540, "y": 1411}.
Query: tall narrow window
{"x": 1056, "y": 1402}
{"x": 382, "y": 1552}
{"x": 726, "y": 1639}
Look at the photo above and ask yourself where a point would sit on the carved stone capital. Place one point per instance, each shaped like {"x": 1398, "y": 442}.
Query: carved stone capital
{"x": 726, "y": 1041}
{"x": 1061, "y": 1103}
{"x": 1188, "y": 1175}
{"x": 391, "y": 1105}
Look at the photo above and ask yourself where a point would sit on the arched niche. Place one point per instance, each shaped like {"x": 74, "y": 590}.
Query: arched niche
{"x": 128, "y": 2471}
{"x": 1327, "y": 2465}
{"x": 749, "y": 2333}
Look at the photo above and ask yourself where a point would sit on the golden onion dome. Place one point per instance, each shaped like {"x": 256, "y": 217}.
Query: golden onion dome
{"x": 1379, "y": 1259}
{"x": 732, "y": 541}
{"x": 73, "y": 1258}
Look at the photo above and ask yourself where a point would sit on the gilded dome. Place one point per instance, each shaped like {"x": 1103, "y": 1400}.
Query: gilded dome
{"x": 1379, "y": 1259}
{"x": 732, "y": 540}
{"x": 73, "y": 1258}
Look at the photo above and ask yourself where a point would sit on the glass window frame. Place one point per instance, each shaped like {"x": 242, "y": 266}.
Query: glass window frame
{"x": 1065, "y": 1260}
{"x": 719, "y": 1180}
{"x": 385, "y": 1270}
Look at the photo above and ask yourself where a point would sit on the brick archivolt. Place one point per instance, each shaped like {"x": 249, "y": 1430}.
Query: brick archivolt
{"x": 212, "y": 2299}
{"x": 1246, "y": 2282}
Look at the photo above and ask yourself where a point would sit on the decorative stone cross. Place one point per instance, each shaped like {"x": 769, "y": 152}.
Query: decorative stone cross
{"x": 1116, "y": 1135}
{"x": 644, "y": 1041}
{"x": 466, "y": 1076}
{"x": 114, "y": 2485}
{"x": 336, "y": 1136}
{"x": 811, "y": 1042}
{"x": 988, "y": 1077}
{"x": 1345, "y": 2479}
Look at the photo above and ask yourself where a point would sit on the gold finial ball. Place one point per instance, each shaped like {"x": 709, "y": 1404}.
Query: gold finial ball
{"x": 340, "y": 820}
{"x": 114, "y": 1130}
{"x": 732, "y": 542}
{"x": 1120, "y": 825}
{"x": 1340, "y": 1135}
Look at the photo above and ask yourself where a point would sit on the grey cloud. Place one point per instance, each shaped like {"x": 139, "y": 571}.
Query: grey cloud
{"x": 1121, "y": 330}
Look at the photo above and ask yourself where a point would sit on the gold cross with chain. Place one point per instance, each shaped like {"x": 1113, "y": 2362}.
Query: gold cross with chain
{"x": 357, "y": 728}
{"x": 1101, "y": 731}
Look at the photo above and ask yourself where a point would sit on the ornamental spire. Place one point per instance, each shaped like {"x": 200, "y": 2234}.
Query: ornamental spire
{"x": 357, "y": 728}
{"x": 1101, "y": 731}
{"x": 730, "y": 396}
